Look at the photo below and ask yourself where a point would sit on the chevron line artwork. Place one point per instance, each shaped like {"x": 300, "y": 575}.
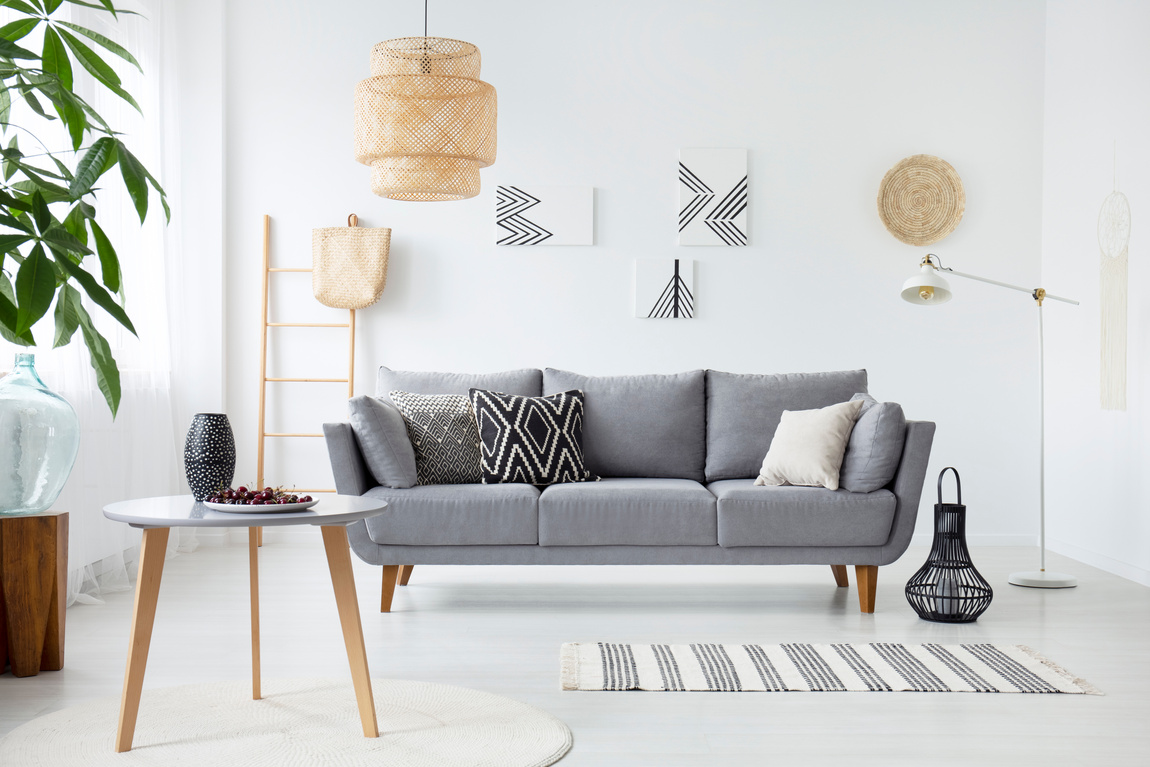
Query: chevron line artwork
{"x": 544, "y": 215}
{"x": 665, "y": 289}
{"x": 707, "y": 217}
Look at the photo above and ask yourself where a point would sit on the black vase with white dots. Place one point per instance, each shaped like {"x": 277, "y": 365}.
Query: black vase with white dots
{"x": 209, "y": 454}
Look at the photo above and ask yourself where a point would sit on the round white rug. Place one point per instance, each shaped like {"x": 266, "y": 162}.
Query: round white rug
{"x": 299, "y": 722}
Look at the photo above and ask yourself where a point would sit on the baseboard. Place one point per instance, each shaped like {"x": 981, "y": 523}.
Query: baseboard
{"x": 1130, "y": 572}
{"x": 924, "y": 539}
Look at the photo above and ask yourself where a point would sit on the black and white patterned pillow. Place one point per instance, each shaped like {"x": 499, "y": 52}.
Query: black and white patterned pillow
{"x": 441, "y": 428}
{"x": 536, "y": 440}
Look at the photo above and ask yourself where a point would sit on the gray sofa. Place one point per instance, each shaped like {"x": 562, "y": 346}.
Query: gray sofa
{"x": 677, "y": 454}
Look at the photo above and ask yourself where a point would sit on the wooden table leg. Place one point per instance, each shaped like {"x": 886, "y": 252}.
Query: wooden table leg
{"x": 343, "y": 581}
{"x": 254, "y": 566}
{"x": 152, "y": 553}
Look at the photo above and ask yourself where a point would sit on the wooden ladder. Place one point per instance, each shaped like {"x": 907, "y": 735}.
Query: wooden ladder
{"x": 264, "y": 380}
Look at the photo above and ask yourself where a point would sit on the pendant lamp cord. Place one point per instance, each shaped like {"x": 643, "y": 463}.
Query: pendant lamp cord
{"x": 425, "y": 18}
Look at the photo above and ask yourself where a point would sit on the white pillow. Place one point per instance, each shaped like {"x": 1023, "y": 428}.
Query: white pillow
{"x": 808, "y": 446}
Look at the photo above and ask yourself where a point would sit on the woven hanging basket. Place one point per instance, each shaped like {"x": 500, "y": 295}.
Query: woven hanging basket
{"x": 424, "y": 121}
{"x": 921, "y": 199}
{"x": 349, "y": 265}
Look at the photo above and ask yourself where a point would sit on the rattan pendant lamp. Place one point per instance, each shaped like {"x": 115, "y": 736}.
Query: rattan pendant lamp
{"x": 424, "y": 121}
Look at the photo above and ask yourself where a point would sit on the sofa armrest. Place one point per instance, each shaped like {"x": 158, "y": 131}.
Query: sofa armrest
{"x": 907, "y": 487}
{"x": 351, "y": 474}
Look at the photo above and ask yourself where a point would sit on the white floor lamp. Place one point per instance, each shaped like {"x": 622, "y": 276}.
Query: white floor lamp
{"x": 927, "y": 288}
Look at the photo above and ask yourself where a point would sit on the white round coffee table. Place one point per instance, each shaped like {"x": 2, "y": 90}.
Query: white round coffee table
{"x": 156, "y": 516}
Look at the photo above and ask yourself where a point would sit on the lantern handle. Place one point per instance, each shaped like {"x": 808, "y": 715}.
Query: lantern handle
{"x": 957, "y": 483}
{"x": 352, "y": 220}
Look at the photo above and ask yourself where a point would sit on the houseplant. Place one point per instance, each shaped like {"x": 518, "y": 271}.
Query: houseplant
{"x": 53, "y": 251}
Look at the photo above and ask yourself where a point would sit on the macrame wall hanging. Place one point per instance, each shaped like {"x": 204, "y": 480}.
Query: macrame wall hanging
{"x": 1114, "y": 242}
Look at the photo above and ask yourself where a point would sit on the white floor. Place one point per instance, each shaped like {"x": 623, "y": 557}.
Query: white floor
{"x": 499, "y": 629}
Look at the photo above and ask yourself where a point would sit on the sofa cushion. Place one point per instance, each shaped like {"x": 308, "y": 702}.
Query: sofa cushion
{"x": 808, "y": 446}
{"x": 627, "y": 512}
{"x": 743, "y": 412}
{"x": 640, "y": 426}
{"x": 528, "y": 382}
{"x": 875, "y": 447}
{"x": 538, "y": 440}
{"x": 382, "y": 436}
{"x": 800, "y": 516}
{"x": 456, "y": 515}
{"x": 442, "y": 431}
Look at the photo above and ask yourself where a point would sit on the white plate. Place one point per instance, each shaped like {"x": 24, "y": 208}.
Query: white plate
{"x": 266, "y": 508}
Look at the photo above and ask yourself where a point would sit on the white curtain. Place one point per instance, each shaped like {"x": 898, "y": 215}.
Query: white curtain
{"x": 138, "y": 454}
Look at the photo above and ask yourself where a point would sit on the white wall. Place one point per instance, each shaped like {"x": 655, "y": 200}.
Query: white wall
{"x": 1098, "y": 77}
{"x": 825, "y": 95}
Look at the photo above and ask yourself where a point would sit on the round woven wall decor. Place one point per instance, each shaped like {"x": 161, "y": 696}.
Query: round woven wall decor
{"x": 921, "y": 200}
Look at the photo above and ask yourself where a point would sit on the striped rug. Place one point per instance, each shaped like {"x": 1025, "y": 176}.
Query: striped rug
{"x": 875, "y": 667}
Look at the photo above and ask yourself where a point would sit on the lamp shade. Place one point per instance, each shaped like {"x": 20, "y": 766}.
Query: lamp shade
{"x": 424, "y": 121}
{"x": 927, "y": 287}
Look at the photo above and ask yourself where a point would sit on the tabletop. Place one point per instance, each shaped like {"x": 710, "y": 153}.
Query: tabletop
{"x": 185, "y": 511}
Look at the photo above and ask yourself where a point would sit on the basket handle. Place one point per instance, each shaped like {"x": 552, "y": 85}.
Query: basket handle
{"x": 353, "y": 220}
{"x": 957, "y": 483}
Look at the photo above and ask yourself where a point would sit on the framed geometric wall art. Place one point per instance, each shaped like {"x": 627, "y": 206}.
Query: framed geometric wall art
{"x": 713, "y": 196}
{"x": 665, "y": 288}
{"x": 544, "y": 215}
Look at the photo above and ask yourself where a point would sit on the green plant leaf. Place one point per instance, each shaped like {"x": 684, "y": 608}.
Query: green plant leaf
{"x": 5, "y": 108}
{"x": 107, "y": 374}
{"x": 96, "y": 293}
{"x": 13, "y": 223}
{"x": 109, "y": 261}
{"x": 51, "y": 192}
{"x": 10, "y": 50}
{"x": 135, "y": 178}
{"x": 104, "y": 42}
{"x": 50, "y": 6}
{"x": 98, "y": 68}
{"x": 19, "y": 5}
{"x": 40, "y": 212}
{"x": 98, "y": 159}
{"x": 66, "y": 317}
{"x": 8, "y": 316}
{"x": 138, "y": 168}
{"x": 105, "y": 5}
{"x": 62, "y": 241}
{"x": 55, "y": 58}
{"x": 18, "y": 29}
{"x": 9, "y": 242}
{"x": 8, "y": 201}
{"x": 33, "y": 102}
{"x": 35, "y": 288}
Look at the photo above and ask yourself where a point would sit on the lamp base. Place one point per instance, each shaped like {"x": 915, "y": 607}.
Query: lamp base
{"x": 1042, "y": 579}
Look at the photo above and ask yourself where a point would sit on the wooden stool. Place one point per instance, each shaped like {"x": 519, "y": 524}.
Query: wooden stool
{"x": 33, "y": 591}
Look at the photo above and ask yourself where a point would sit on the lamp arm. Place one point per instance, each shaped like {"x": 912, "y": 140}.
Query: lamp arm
{"x": 1030, "y": 291}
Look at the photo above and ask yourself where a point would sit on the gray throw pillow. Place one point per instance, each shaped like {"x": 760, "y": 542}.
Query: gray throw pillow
{"x": 443, "y": 434}
{"x": 383, "y": 440}
{"x": 875, "y": 447}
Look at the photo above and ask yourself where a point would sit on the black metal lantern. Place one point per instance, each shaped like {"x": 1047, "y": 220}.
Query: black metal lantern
{"x": 947, "y": 588}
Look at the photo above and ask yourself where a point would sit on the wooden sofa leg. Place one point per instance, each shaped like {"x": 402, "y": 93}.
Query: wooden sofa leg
{"x": 840, "y": 572}
{"x": 390, "y": 575}
{"x": 405, "y": 574}
{"x": 867, "y": 577}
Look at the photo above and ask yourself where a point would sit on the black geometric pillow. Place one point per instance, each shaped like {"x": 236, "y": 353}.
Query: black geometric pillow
{"x": 536, "y": 440}
{"x": 442, "y": 431}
